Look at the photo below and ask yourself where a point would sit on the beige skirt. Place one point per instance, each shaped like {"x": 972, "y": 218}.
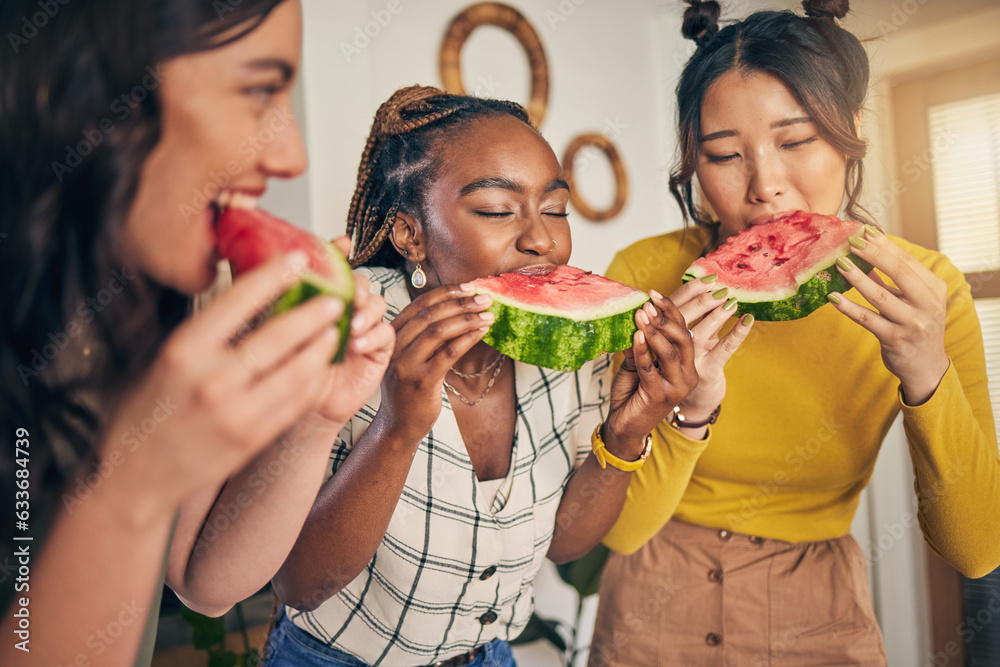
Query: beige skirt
{"x": 707, "y": 597}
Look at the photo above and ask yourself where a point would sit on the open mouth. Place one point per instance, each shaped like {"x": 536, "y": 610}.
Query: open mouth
{"x": 237, "y": 199}
{"x": 234, "y": 199}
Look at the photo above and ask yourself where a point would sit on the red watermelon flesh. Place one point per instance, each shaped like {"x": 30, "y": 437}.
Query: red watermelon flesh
{"x": 783, "y": 269}
{"x": 249, "y": 237}
{"x": 559, "y": 318}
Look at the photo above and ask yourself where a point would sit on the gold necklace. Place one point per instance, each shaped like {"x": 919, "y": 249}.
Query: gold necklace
{"x": 485, "y": 391}
{"x": 473, "y": 376}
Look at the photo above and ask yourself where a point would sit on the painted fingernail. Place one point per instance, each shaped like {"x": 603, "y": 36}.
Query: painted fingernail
{"x": 656, "y": 295}
{"x": 482, "y": 299}
{"x": 872, "y": 231}
{"x": 747, "y": 320}
{"x": 844, "y": 264}
{"x": 488, "y": 316}
{"x": 710, "y": 279}
{"x": 642, "y": 338}
{"x": 467, "y": 287}
{"x": 361, "y": 344}
{"x": 857, "y": 242}
{"x": 644, "y": 317}
{"x": 650, "y": 309}
{"x": 833, "y": 298}
{"x": 721, "y": 293}
{"x": 730, "y": 304}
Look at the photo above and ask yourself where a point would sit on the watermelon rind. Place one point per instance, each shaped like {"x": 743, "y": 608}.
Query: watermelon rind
{"x": 312, "y": 284}
{"x": 811, "y": 295}
{"x": 556, "y": 342}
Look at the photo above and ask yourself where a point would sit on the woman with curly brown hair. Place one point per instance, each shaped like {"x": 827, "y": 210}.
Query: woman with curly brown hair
{"x": 734, "y": 546}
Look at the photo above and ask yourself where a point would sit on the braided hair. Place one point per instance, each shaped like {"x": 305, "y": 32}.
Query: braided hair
{"x": 824, "y": 66}
{"x": 400, "y": 159}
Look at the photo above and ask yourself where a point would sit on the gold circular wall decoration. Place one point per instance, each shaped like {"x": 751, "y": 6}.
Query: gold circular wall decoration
{"x": 602, "y": 143}
{"x": 509, "y": 19}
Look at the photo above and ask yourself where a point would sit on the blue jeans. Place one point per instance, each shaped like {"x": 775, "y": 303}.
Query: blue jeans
{"x": 291, "y": 646}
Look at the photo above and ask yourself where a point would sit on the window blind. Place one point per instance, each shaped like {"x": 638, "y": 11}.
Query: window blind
{"x": 965, "y": 163}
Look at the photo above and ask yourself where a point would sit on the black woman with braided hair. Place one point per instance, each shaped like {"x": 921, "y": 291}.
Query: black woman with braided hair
{"x": 448, "y": 490}
{"x": 735, "y": 549}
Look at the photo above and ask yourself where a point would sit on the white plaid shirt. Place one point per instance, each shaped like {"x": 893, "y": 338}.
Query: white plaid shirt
{"x": 453, "y": 570}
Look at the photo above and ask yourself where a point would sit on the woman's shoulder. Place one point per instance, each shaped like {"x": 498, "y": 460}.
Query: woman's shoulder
{"x": 381, "y": 277}
{"x": 389, "y": 283}
{"x": 653, "y": 261}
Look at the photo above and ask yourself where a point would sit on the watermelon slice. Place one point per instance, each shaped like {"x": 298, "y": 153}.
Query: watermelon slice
{"x": 248, "y": 237}
{"x": 559, "y": 318}
{"x": 783, "y": 269}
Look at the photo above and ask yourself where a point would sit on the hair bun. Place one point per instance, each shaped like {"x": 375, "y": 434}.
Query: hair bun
{"x": 701, "y": 21}
{"x": 826, "y": 9}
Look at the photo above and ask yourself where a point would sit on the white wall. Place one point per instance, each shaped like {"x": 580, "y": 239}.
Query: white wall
{"x": 606, "y": 74}
{"x": 613, "y": 67}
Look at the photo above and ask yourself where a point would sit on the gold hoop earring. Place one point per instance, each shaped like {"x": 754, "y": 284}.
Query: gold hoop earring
{"x": 418, "y": 278}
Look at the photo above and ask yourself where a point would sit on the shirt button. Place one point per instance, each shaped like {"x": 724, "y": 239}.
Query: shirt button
{"x": 488, "y": 572}
{"x": 713, "y": 639}
{"x": 715, "y": 576}
{"x": 488, "y": 618}
{"x": 756, "y": 540}
{"x": 725, "y": 535}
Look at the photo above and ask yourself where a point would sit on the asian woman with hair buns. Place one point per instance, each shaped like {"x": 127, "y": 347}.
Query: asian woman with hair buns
{"x": 733, "y": 547}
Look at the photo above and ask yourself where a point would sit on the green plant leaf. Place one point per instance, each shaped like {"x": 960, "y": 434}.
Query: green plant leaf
{"x": 541, "y": 628}
{"x": 584, "y": 573}
{"x": 222, "y": 659}
{"x": 207, "y": 631}
{"x": 250, "y": 659}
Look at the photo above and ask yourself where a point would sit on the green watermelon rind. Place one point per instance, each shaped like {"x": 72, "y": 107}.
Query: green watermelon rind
{"x": 556, "y": 342}
{"x": 811, "y": 295}
{"x": 312, "y": 284}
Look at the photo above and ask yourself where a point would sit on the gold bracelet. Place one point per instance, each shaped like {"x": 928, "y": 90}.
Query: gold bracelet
{"x": 604, "y": 457}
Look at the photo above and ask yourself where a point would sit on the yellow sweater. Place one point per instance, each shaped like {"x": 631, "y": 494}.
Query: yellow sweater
{"x": 807, "y": 406}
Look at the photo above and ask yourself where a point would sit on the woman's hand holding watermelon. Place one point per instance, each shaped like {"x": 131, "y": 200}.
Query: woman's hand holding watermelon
{"x": 706, "y": 311}
{"x": 225, "y": 402}
{"x": 658, "y": 371}
{"x": 353, "y": 381}
{"x": 909, "y": 320}
{"x": 432, "y": 333}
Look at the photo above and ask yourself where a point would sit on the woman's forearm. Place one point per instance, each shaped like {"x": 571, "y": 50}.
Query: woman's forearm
{"x": 953, "y": 446}
{"x": 349, "y": 518}
{"x": 593, "y": 500}
{"x": 229, "y": 544}
{"x": 90, "y": 586}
